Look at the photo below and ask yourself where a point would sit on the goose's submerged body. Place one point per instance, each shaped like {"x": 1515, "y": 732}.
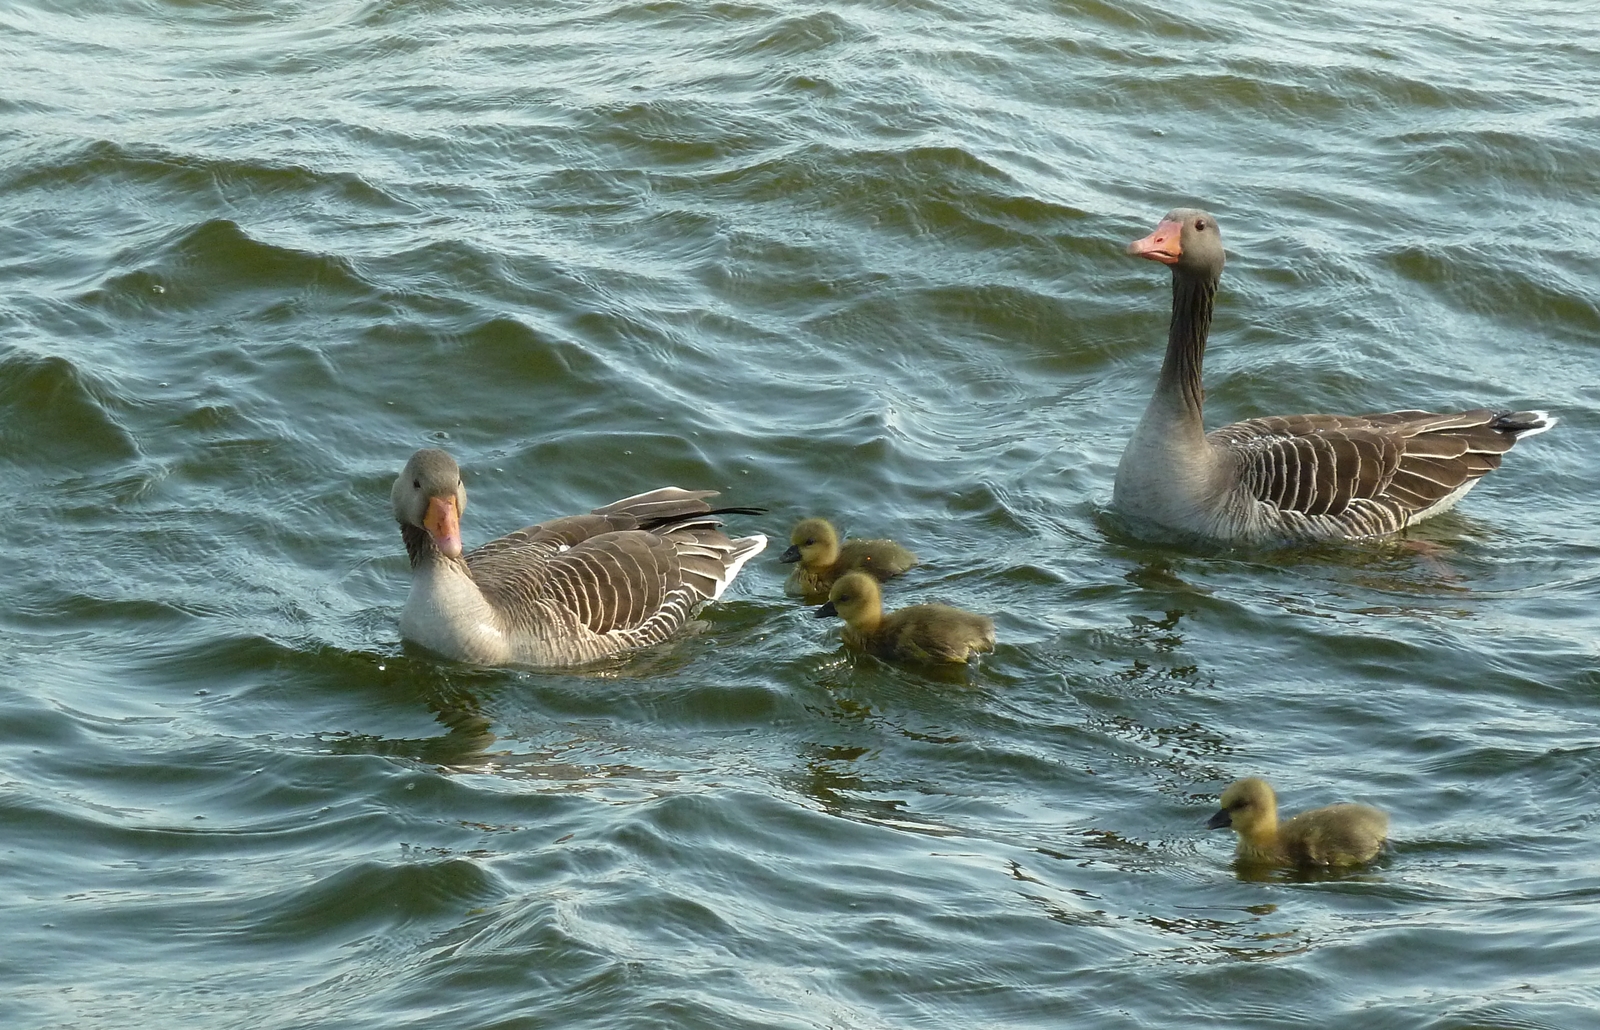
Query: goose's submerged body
{"x": 1285, "y": 478}
{"x": 562, "y": 592}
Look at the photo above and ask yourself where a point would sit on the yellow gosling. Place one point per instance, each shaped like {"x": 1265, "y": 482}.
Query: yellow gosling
{"x": 820, "y": 559}
{"x": 1345, "y": 834}
{"x": 930, "y": 633}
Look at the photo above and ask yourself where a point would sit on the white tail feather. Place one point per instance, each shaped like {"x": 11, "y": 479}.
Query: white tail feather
{"x": 747, "y": 547}
{"x": 1546, "y": 420}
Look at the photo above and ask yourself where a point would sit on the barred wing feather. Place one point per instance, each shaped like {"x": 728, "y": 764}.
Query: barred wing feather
{"x": 1380, "y": 471}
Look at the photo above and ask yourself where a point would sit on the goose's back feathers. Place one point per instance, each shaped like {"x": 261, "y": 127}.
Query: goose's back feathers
{"x": 576, "y": 588}
{"x": 1349, "y": 476}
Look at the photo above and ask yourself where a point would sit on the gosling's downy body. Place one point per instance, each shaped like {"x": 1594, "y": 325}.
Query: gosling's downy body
{"x": 1335, "y": 835}
{"x": 562, "y": 592}
{"x": 927, "y": 633}
{"x": 820, "y": 559}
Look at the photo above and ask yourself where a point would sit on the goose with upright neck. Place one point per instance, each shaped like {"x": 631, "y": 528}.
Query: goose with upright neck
{"x": 1293, "y": 478}
{"x": 566, "y": 591}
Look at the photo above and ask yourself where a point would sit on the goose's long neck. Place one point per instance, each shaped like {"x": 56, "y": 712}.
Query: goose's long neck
{"x": 429, "y": 565}
{"x": 446, "y": 609}
{"x": 1179, "y": 386}
{"x": 1169, "y": 472}
{"x": 419, "y": 546}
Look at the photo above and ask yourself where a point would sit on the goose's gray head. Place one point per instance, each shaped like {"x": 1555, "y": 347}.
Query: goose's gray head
{"x": 1188, "y": 240}
{"x": 429, "y": 495}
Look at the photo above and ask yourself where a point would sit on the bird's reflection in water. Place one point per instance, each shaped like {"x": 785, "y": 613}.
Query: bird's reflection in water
{"x": 1245, "y": 938}
{"x": 461, "y": 698}
{"x": 1158, "y": 575}
{"x": 830, "y": 777}
{"x": 1257, "y": 872}
{"x": 455, "y": 703}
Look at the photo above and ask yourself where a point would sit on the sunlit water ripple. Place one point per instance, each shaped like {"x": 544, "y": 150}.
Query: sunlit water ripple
{"x": 853, "y": 259}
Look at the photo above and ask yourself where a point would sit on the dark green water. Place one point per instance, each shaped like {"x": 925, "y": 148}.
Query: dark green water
{"x": 854, "y": 259}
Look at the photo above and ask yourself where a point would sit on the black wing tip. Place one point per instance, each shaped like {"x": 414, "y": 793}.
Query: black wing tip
{"x": 1522, "y": 423}
{"x": 707, "y": 518}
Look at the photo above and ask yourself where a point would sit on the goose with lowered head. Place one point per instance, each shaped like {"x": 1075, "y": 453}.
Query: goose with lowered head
{"x": 562, "y": 592}
{"x": 1294, "y": 477}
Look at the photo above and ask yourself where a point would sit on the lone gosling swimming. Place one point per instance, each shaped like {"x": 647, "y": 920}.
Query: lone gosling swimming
{"x": 814, "y": 544}
{"x": 1336, "y": 835}
{"x": 930, "y": 633}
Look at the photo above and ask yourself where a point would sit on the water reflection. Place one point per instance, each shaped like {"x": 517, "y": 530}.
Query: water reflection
{"x": 1059, "y": 908}
{"x": 1257, "y": 872}
{"x": 1435, "y": 561}
{"x": 1241, "y": 939}
{"x": 831, "y": 777}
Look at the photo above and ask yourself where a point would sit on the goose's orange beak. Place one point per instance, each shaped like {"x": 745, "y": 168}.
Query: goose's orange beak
{"x": 443, "y": 523}
{"x": 1165, "y": 244}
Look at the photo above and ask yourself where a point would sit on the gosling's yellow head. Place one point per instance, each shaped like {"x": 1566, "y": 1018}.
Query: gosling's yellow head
{"x": 813, "y": 542}
{"x": 855, "y": 598}
{"x": 1248, "y": 806}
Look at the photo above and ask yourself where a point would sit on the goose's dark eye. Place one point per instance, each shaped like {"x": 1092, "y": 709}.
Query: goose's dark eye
{"x": 416, "y": 484}
{"x": 1200, "y": 226}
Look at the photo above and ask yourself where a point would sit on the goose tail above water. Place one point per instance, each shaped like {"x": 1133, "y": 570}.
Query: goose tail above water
{"x": 1519, "y": 424}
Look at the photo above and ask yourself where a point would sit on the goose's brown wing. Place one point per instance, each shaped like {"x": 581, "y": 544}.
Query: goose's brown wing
{"x": 613, "y": 581}
{"x": 638, "y": 566}
{"x": 1403, "y": 462}
{"x": 542, "y": 540}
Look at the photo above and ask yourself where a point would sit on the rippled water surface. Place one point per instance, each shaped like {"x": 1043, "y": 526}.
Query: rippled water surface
{"x": 858, "y": 259}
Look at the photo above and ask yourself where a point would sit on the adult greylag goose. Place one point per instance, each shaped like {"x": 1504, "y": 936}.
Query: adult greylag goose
{"x": 562, "y": 592}
{"x": 1346, "y": 834}
{"x": 821, "y": 558}
{"x": 1294, "y": 477}
{"x": 928, "y": 633}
